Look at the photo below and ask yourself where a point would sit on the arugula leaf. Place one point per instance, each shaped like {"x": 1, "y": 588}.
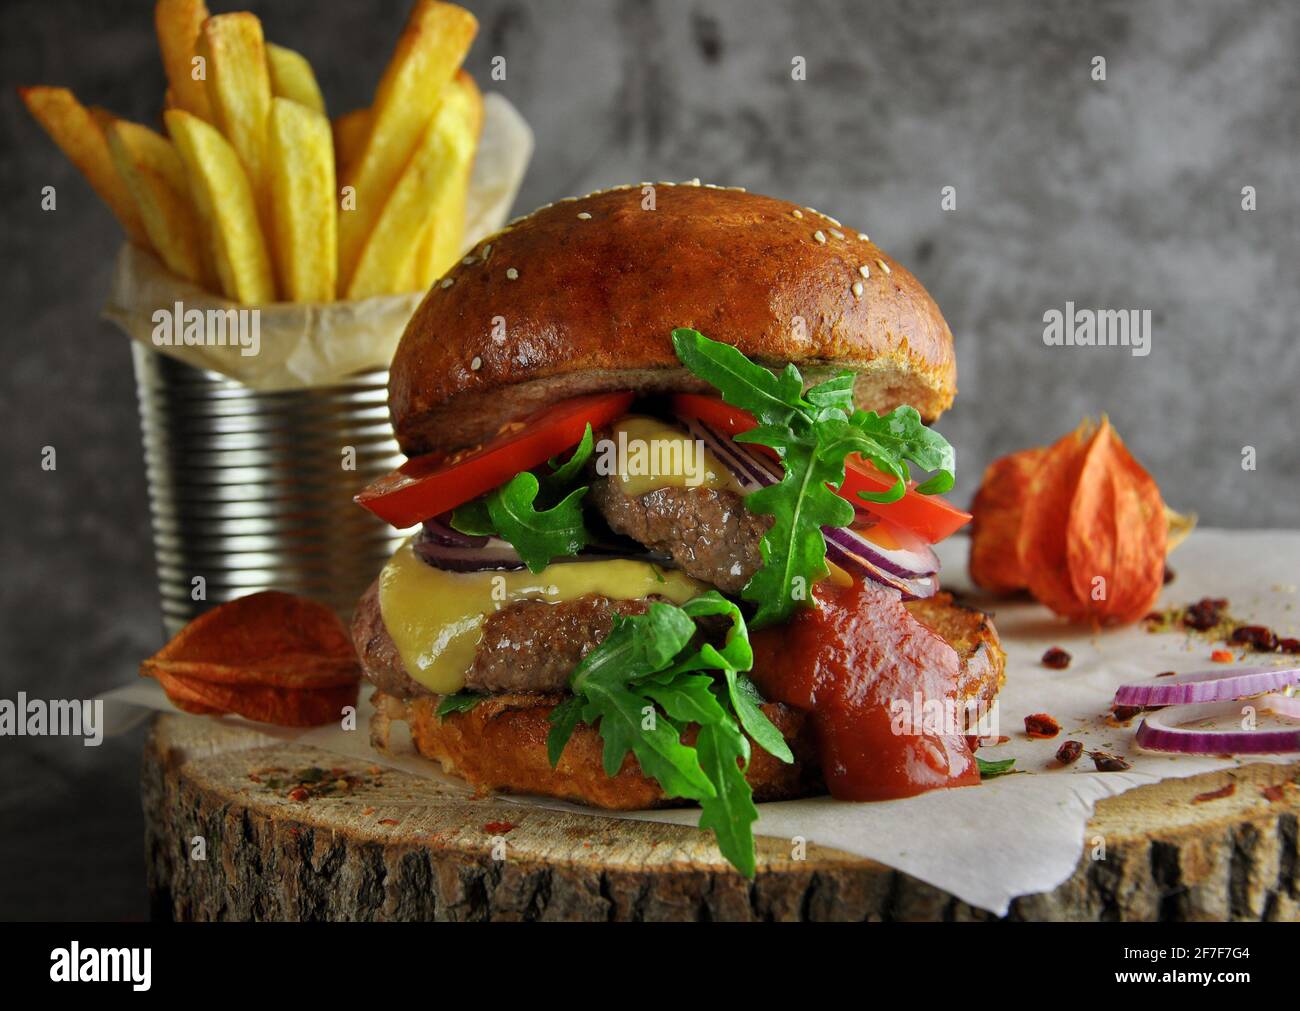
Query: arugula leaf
{"x": 734, "y": 657}
{"x": 563, "y": 473}
{"x": 461, "y": 702}
{"x": 836, "y": 393}
{"x": 564, "y": 720}
{"x": 645, "y": 682}
{"x": 511, "y": 511}
{"x": 990, "y": 770}
{"x": 745, "y": 700}
{"x": 812, "y": 434}
{"x": 538, "y": 536}
{"x": 731, "y": 813}
{"x": 773, "y": 399}
{"x": 472, "y": 519}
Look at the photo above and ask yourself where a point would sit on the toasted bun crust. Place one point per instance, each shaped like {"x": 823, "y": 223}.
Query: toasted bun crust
{"x": 500, "y": 744}
{"x": 559, "y": 304}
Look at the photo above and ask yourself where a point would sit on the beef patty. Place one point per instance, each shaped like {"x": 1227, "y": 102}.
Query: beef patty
{"x": 708, "y": 531}
{"x": 527, "y": 646}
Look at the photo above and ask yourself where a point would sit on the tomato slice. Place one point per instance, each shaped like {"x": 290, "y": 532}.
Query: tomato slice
{"x": 929, "y": 516}
{"x": 429, "y": 485}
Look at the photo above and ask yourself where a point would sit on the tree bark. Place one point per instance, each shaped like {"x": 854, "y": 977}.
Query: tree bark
{"x": 386, "y": 845}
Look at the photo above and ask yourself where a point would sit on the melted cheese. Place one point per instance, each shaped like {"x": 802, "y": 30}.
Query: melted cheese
{"x": 650, "y": 454}
{"x": 436, "y": 618}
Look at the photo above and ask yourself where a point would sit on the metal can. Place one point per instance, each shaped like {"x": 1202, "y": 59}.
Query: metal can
{"x": 252, "y": 490}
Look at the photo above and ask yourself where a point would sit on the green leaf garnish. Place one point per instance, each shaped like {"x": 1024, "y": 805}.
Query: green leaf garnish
{"x": 517, "y": 511}
{"x": 646, "y": 681}
{"x": 538, "y": 535}
{"x": 813, "y": 433}
{"x": 990, "y": 770}
{"x": 461, "y": 702}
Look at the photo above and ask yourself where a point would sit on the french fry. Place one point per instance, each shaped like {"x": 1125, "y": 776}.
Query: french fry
{"x": 428, "y": 185}
{"x": 74, "y": 129}
{"x": 177, "y": 23}
{"x": 239, "y": 89}
{"x": 303, "y": 208}
{"x": 433, "y": 44}
{"x": 223, "y": 197}
{"x": 153, "y": 172}
{"x": 293, "y": 78}
{"x": 350, "y": 131}
{"x": 444, "y": 233}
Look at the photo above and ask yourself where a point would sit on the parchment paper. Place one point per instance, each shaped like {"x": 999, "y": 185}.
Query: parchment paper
{"x": 317, "y": 345}
{"x": 1018, "y": 834}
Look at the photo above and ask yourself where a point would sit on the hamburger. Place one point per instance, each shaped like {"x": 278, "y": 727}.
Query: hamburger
{"x": 676, "y": 496}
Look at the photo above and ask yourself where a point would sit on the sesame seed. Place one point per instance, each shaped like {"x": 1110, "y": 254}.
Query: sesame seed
{"x": 819, "y": 235}
{"x": 837, "y": 233}
{"x": 857, "y": 289}
{"x": 695, "y": 181}
{"x": 797, "y": 213}
{"x": 487, "y": 251}
{"x": 832, "y": 220}
{"x": 512, "y": 274}
{"x": 883, "y": 265}
{"x": 584, "y": 216}
{"x": 863, "y": 236}
{"x": 447, "y": 282}
{"x": 467, "y": 261}
{"x": 864, "y": 270}
{"x": 476, "y": 364}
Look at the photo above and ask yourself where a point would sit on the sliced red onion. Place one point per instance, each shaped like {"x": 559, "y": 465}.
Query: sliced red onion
{"x": 487, "y": 554}
{"x": 440, "y": 530}
{"x": 1206, "y": 686}
{"x": 492, "y": 554}
{"x": 1283, "y": 705}
{"x": 912, "y": 559}
{"x": 1167, "y": 730}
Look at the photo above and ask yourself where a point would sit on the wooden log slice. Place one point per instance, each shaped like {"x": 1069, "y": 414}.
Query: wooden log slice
{"x": 365, "y": 843}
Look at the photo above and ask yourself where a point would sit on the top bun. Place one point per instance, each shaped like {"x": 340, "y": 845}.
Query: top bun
{"x": 583, "y": 295}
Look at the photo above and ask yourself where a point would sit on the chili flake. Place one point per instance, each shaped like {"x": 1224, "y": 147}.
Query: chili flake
{"x": 1056, "y": 658}
{"x": 1041, "y": 726}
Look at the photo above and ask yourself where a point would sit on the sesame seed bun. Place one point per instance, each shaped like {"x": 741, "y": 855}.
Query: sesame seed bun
{"x": 583, "y": 295}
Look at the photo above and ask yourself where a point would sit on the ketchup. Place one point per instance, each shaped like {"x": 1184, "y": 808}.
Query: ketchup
{"x": 846, "y": 663}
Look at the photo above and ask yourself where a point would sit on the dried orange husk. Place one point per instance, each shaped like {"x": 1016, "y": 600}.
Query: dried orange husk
{"x": 270, "y": 656}
{"x": 1142, "y": 531}
{"x": 286, "y": 707}
{"x": 1094, "y": 530}
{"x": 997, "y": 511}
{"x": 1042, "y": 540}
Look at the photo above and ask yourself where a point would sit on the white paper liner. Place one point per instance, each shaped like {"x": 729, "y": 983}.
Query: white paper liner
{"x": 1015, "y": 835}
{"x": 318, "y": 345}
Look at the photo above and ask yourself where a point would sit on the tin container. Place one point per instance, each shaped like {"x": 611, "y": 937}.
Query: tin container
{"x": 253, "y": 491}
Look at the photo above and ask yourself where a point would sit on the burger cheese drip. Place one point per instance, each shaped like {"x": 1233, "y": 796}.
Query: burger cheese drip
{"x": 436, "y": 617}
{"x": 845, "y": 663}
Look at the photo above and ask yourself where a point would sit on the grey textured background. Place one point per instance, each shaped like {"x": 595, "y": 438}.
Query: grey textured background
{"x": 1122, "y": 194}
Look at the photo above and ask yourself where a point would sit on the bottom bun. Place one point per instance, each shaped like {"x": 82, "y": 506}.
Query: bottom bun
{"x": 500, "y": 744}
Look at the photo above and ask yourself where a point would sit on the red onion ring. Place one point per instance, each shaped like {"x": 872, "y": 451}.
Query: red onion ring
{"x": 1163, "y": 731}
{"x": 1206, "y": 686}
